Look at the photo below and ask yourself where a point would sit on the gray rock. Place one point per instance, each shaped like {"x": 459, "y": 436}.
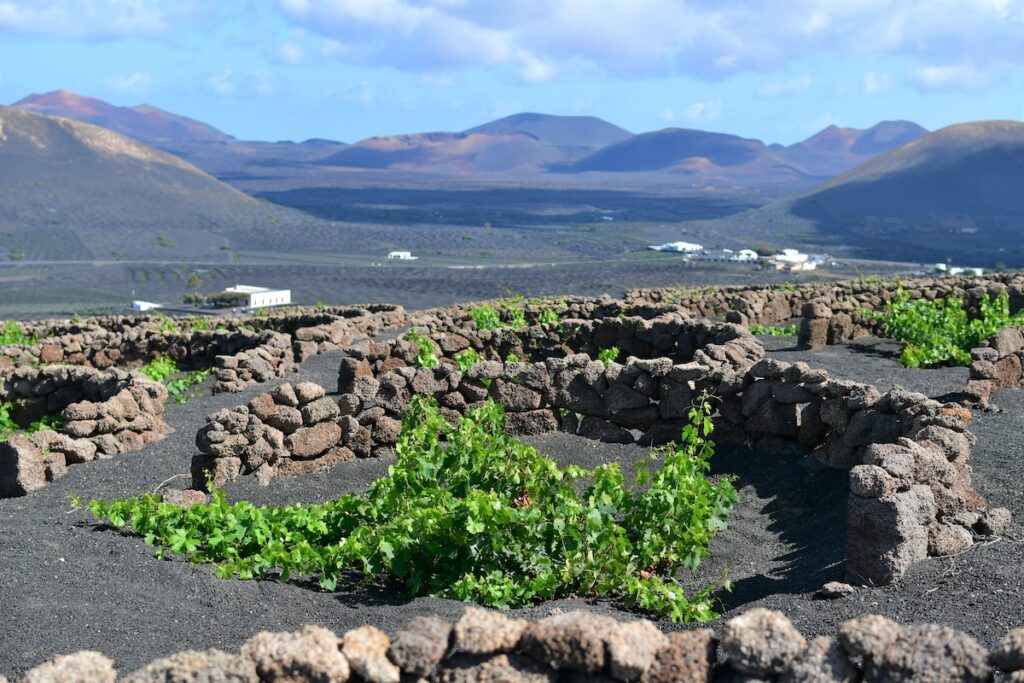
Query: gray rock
{"x": 1008, "y": 654}
{"x": 868, "y": 636}
{"x": 307, "y": 392}
{"x": 948, "y": 539}
{"x": 574, "y": 640}
{"x": 761, "y": 642}
{"x": 632, "y": 647}
{"x": 995, "y": 521}
{"x": 833, "y": 590}
{"x": 824, "y": 661}
{"x": 687, "y": 658}
{"x": 285, "y": 395}
{"x": 871, "y": 481}
{"x": 366, "y": 649}
{"x": 22, "y": 469}
{"x": 932, "y": 653}
{"x": 310, "y": 442}
{"x": 84, "y": 666}
{"x": 311, "y": 655}
{"x": 192, "y": 666}
{"x": 483, "y": 632}
{"x": 885, "y": 536}
{"x": 502, "y": 668}
{"x": 421, "y": 645}
{"x": 320, "y": 410}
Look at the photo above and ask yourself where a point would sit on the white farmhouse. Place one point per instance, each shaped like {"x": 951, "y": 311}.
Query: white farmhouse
{"x": 261, "y": 297}
{"x": 144, "y": 306}
{"x": 401, "y": 256}
{"x": 681, "y": 247}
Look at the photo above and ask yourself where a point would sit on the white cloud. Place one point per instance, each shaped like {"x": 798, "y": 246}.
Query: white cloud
{"x": 876, "y": 83}
{"x": 955, "y": 77}
{"x": 539, "y": 39}
{"x": 793, "y": 86}
{"x": 134, "y": 84}
{"x": 290, "y": 53}
{"x": 707, "y": 110}
{"x": 229, "y": 82}
{"x": 438, "y": 80}
{"x": 364, "y": 93}
{"x": 93, "y": 19}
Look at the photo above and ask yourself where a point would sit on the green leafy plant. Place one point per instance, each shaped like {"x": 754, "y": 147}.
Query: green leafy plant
{"x": 469, "y": 512}
{"x": 167, "y": 324}
{"x": 608, "y": 355}
{"x": 467, "y": 359}
{"x": 938, "y": 333}
{"x": 198, "y": 323}
{"x": 11, "y": 334}
{"x": 425, "y": 354}
{"x": 486, "y": 317}
{"x": 8, "y": 427}
{"x": 775, "y": 331}
{"x": 162, "y": 369}
{"x": 511, "y": 358}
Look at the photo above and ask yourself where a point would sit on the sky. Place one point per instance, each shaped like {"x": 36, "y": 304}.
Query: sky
{"x": 776, "y": 70}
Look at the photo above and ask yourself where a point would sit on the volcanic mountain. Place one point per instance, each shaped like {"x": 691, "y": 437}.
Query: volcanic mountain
{"x": 74, "y": 191}
{"x": 835, "y": 150}
{"x": 142, "y": 122}
{"x": 561, "y": 131}
{"x": 956, "y": 193}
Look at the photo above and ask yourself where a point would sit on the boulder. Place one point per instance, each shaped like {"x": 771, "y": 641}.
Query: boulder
{"x": 22, "y": 468}
{"x": 573, "y": 640}
{"x": 761, "y": 642}
{"x": 687, "y": 658}
{"x": 420, "y": 646}
{"x": 84, "y": 666}
{"x": 483, "y": 632}
{"x": 885, "y": 536}
{"x": 310, "y": 442}
{"x": 212, "y": 666}
{"x": 366, "y": 649}
{"x": 311, "y": 655}
{"x": 931, "y": 653}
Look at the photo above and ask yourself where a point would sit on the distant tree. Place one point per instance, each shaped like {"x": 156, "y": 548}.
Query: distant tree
{"x": 193, "y": 282}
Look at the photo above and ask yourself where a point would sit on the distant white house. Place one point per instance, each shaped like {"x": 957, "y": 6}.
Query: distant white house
{"x": 144, "y": 306}
{"x": 745, "y": 256}
{"x": 727, "y": 256}
{"x": 680, "y": 247}
{"x": 958, "y": 270}
{"x": 401, "y": 256}
{"x": 794, "y": 261}
{"x": 261, "y": 297}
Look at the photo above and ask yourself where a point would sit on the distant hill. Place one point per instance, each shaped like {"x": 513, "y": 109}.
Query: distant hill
{"x": 142, "y": 122}
{"x": 714, "y": 157}
{"x": 458, "y": 153}
{"x": 561, "y": 131}
{"x": 835, "y": 150}
{"x": 71, "y": 190}
{"x": 957, "y": 193}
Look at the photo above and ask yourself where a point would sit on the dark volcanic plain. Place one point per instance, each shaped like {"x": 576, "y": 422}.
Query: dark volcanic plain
{"x": 69, "y": 584}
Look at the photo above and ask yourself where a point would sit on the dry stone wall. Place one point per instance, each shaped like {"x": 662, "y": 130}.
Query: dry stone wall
{"x": 485, "y": 646}
{"x": 104, "y": 413}
{"x": 828, "y": 311}
{"x": 288, "y": 431}
{"x": 997, "y": 364}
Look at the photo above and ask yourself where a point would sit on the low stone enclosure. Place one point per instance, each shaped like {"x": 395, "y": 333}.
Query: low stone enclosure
{"x": 81, "y": 370}
{"x": 104, "y": 413}
{"x": 907, "y": 455}
{"x": 485, "y": 646}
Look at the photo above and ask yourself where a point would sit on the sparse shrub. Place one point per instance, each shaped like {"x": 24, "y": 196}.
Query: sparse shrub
{"x": 159, "y": 369}
{"x": 8, "y": 427}
{"x": 469, "y": 512}
{"x": 425, "y": 355}
{"x": 486, "y": 317}
{"x": 11, "y": 334}
{"x": 938, "y": 333}
{"x": 775, "y": 331}
{"x": 609, "y": 355}
{"x": 511, "y": 358}
{"x": 467, "y": 359}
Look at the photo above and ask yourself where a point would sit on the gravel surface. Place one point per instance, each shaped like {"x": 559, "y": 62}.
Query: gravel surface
{"x": 68, "y": 585}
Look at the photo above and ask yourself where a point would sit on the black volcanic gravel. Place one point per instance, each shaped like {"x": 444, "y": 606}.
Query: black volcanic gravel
{"x": 67, "y": 585}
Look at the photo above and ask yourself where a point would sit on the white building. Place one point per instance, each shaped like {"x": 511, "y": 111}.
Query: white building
{"x": 261, "y": 297}
{"x": 401, "y": 256}
{"x": 144, "y": 306}
{"x": 745, "y": 256}
{"x": 681, "y": 247}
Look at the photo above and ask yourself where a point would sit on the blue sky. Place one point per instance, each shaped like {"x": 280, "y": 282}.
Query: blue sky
{"x": 778, "y": 70}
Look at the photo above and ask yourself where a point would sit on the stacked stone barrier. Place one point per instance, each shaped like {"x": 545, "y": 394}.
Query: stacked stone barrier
{"x": 997, "y": 364}
{"x": 828, "y": 311}
{"x": 288, "y": 431}
{"x": 910, "y": 481}
{"x": 103, "y": 413}
{"x": 486, "y": 646}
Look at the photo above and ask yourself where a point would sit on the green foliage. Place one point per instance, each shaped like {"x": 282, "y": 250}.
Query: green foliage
{"x": 938, "y": 333}
{"x": 511, "y": 358}
{"x": 775, "y": 331}
{"x": 608, "y": 355}
{"x": 425, "y": 354}
{"x": 547, "y": 316}
{"x": 11, "y": 334}
{"x": 159, "y": 369}
{"x": 468, "y": 512}
{"x": 168, "y": 325}
{"x": 486, "y": 317}
{"x": 467, "y": 359}
{"x": 198, "y": 323}
{"x": 162, "y": 369}
{"x": 8, "y": 427}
